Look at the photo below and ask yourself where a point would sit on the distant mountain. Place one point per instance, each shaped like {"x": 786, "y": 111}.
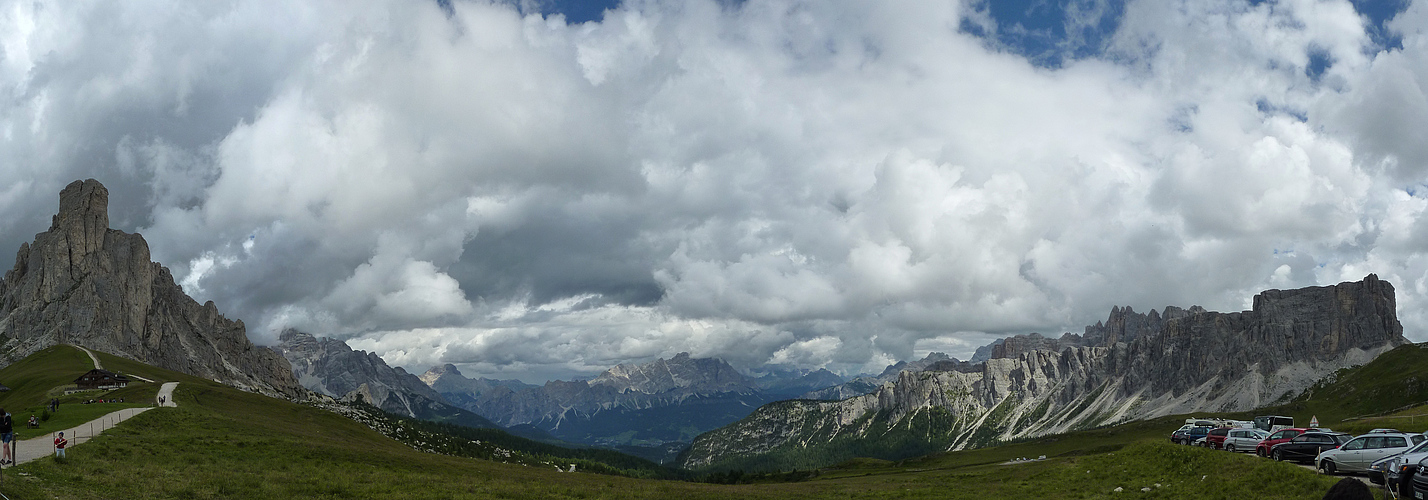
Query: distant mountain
{"x": 650, "y": 409}
{"x": 83, "y": 283}
{"x": 330, "y": 367}
{"x": 865, "y": 385}
{"x": 1132, "y": 366}
{"x": 794, "y": 382}
{"x": 446, "y": 378}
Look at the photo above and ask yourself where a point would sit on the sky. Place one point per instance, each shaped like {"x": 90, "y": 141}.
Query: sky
{"x": 542, "y": 189}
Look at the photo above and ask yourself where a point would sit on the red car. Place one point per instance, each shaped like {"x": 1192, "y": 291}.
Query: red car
{"x": 1216, "y": 438}
{"x": 1279, "y": 436}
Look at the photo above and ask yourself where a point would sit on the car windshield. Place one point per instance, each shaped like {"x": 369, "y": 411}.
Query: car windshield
{"x": 1342, "y": 438}
{"x": 1421, "y": 447}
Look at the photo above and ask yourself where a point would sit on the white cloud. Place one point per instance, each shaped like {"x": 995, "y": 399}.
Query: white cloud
{"x": 824, "y": 183}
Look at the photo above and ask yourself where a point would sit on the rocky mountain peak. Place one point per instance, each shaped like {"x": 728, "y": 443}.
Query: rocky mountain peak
{"x": 680, "y": 372}
{"x": 445, "y": 378}
{"x": 298, "y": 341}
{"x": 329, "y": 366}
{"x": 442, "y": 370}
{"x": 932, "y": 358}
{"x": 83, "y": 216}
{"x": 83, "y": 283}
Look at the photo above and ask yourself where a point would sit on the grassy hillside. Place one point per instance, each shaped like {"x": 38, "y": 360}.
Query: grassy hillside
{"x": 224, "y": 443}
{"x": 1390, "y": 391}
{"x": 48, "y": 373}
{"x": 1396, "y": 380}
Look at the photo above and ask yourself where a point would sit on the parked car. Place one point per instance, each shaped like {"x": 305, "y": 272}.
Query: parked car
{"x": 1244, "y": 439}
{"x": 1305, "y": 447}
{"x": 1276, "y": 437}
{"x": 1396, "y": 471}
{"x": 1359, "y": 453}
{"x": 1179, "y": 434}
{"x": 1189, "y": 436}
{"x": 1416, "y": 485}
{"x": 1216, "y": 438}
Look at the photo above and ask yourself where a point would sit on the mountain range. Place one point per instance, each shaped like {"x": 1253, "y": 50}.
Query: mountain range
{"x": 650, "y": 409}
{"x": 83, "y": 283}
{"x": 1132, "y": 366}
{"x": 330, "y": 367}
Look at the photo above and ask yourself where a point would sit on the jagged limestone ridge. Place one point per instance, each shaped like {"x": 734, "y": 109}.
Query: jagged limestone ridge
{"x": 1150, "y": 366}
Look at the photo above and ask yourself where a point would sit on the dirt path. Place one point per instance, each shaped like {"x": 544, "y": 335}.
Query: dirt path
{"x": 44, "y": 446}
{"x": 166, "y": 394}
{"x": 92, "y": 357}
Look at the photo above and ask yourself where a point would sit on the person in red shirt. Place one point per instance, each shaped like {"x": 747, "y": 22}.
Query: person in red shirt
{"x": 60, "y": 443}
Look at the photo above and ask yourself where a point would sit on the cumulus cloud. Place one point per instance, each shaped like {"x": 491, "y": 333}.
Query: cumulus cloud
{"x": 825, "y": 183}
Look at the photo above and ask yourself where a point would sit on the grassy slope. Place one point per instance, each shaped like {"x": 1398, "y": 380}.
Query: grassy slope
{"x": 43, "y": 375}
{"x": 224, "y": 443}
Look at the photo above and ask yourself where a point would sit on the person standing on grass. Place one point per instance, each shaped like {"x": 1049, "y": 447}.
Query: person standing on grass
{"x": 60, "y": 443}
{"x": 7, "y": 434}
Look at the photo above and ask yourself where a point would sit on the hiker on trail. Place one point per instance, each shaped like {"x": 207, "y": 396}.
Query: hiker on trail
{"x": 60, "y": 443}
{"x": 7, "y": 434}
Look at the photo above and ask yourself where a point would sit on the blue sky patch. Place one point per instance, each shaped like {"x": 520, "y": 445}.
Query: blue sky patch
{"x": 578, "y": 11}
{"x": 1049, "y": 33}
{"x": 1379, "y": 12}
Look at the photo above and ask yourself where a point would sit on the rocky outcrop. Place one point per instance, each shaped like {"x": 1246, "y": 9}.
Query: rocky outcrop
{"x": 331, "y": 367}
{"x": 1132, "y": 366}
{"x": 83, "y": 283}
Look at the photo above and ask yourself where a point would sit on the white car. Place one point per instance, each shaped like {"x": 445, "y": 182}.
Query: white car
{"x": 1244, "y": 439}
{"x": 1361, "y": 452}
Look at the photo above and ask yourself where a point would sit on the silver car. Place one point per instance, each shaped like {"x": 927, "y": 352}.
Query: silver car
{"x": 1393, "y": 470}
{"x": 1244, "y": 439}
{"x": 1361, "y": 452}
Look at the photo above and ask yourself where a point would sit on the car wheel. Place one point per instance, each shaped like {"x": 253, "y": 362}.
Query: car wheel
{"x": 1230, "y": 448}
{"x": 1327, "y": 467}
{"x": 1260, "y": 452}
{"x": 1278, "y": 456}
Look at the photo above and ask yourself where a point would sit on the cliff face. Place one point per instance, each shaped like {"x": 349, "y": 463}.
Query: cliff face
{"x": 331, "y": 367}
{"x": 1132, "y": 366}
{"x": 83, "y": 283}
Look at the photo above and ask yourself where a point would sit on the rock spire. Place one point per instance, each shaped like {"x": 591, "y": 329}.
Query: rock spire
{"x": 83, "y": 283}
